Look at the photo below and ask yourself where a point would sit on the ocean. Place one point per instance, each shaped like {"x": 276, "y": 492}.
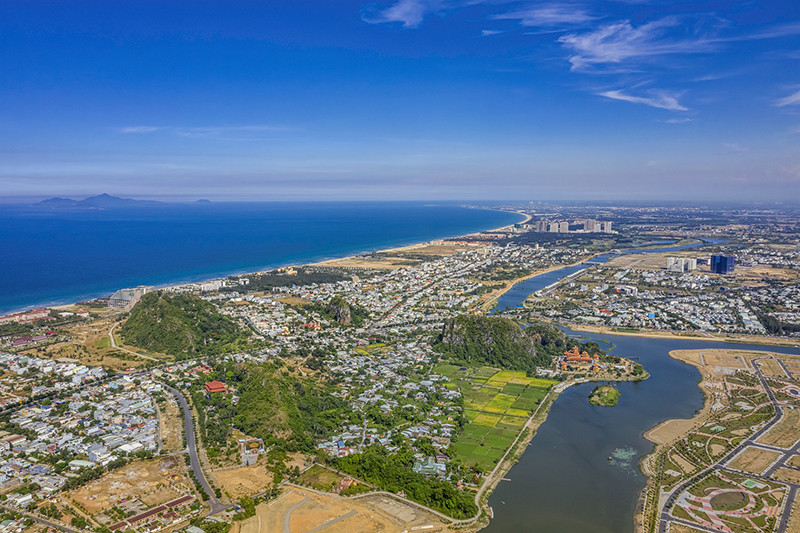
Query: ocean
{"x": 56, "y": 256}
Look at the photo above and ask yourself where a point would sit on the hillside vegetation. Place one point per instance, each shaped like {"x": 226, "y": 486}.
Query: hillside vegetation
{"x": 500, "y": 342}
{"x": 297, "y": 410}
{"x": 181, "y": 325}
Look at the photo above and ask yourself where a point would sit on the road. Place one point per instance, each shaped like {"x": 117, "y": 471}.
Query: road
{"x": 191, "y": 448}
{"x": 114, "y": 345}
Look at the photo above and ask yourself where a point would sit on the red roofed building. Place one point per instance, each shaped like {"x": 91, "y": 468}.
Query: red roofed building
{"x": 216, "y": 386}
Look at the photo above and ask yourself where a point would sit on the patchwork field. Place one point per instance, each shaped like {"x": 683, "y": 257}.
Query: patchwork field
{"x": 497, "y": 405}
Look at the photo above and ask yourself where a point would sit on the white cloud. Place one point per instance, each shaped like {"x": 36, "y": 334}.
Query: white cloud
{"x": 659, "y": 99}
{"x": 678, "y": 120}
{"x": 139, "y": 129}
{"x": 489, "y": 33}
{"x": 621, "y": 41}
{"x": 205, "y": 131}
{"x": 549, "y": 16}
{"x": 410, "y": 13}
{"x": 792, "y": 99}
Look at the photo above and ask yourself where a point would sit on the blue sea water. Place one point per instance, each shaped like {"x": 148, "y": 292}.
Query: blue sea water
{"x": 52, "y": 256}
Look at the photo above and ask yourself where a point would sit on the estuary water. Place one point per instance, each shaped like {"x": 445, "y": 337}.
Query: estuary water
{"x": 564, "y": 481}
{"x": 52, "y": 256}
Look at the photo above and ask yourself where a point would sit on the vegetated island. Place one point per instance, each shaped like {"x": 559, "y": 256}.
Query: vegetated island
{"x": 604, "y": 395}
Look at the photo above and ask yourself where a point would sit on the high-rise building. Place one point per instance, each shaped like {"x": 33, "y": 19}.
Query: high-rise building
{"x": 690, "y": 264}
{"x": 675, "y": 264}
{"x": 605, "y": 226}
{"x": 563, "y": 227}
{"x": 722, "y": 264}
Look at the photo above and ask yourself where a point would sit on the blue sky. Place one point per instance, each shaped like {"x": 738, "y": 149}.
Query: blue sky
{"x": 401, "y": 99}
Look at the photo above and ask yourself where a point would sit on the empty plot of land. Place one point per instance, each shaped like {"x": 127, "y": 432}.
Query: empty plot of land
{"x": 304, "y": 511}
{"x": 794, "y": 519}
{"x": 670, "y": 430}
{"x": 680, "y": 528}
{"x": 786, "y": 432}
{"x": 171, "y": 426}
{"x": 244, "y": 481}
{"x": 754, "y": 460}
{"x": 146, "y": 480}
{"x": 787, "y": 474}
{"x": 771, "y": 368}
{"x": 685, "y": 465}
{"x": 794, "y": 461}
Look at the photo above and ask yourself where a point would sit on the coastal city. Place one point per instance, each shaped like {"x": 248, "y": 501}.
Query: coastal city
{"x": 395, "y": 389}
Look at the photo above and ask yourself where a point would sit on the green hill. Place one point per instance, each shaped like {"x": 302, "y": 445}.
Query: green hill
{"x": 275, "y": 405}
{"x": 502, "y": 343}
{"x": 179, "y": 324}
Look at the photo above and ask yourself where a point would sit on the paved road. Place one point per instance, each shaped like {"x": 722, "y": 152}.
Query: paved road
{"x": 287, "y": 516}
{"x": 191, "y": 447}
{"x": 331, "y": 522}
{"x": 114, "y": 345}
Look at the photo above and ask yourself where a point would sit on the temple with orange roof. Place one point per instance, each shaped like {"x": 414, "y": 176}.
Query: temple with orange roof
{"x": 575, "y": 358}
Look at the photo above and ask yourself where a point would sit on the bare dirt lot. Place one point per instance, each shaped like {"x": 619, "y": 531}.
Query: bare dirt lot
{"x": 153, "y": 482}
{"x": 794, "y": 519}
{"x": 171, "y": 425}
{"x": 90, "y": 345}
{"x": 786, "y": 432}
{"x": 771, "y": 368}
{"x": 787, "y": 474}
{"x": 670, "y": 430}
{"x": 303, "y": 511}
{"x": 794, "y": 461}
{"x": 754, "y": 460}
{"x": 245, "y": 480}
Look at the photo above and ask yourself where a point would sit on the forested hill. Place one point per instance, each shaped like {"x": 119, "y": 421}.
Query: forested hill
{"x": 179, "y": 324}
{"x": 501, "y": 342}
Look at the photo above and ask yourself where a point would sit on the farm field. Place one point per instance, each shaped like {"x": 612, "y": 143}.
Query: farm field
{"x": 497, "y": 405}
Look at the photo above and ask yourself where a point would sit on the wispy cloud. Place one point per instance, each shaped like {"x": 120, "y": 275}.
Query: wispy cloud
{"x": 678, "y": 120}
{"x": 621, "y": 41}
{"x": 659, "y": 99}
{"x": 139, "y": 129}
{"x": 204, "y": 131}
{"x": 549, "y": 16}
{"x": 792, "y": 99}
{"x": 410, "y": 13}
{"x": 489, "y": 33}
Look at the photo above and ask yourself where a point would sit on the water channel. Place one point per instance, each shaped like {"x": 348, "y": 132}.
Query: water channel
{"x": 564, "y": 481}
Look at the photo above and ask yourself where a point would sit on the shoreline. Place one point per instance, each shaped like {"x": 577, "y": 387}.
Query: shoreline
{"x": 711, "y": 337}
{"x": 313, "y": 261}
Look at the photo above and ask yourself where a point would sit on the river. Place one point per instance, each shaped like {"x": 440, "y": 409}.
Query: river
{"x": 564, "y": 481}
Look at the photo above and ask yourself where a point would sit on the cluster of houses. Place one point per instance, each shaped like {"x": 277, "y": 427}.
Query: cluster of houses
{"x": 664, "y": 300}
{"x": 29, "y": 376}
{"x": 90, "y": 427}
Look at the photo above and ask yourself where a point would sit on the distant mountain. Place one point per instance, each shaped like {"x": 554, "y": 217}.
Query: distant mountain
{"x": 101, "y": 201}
